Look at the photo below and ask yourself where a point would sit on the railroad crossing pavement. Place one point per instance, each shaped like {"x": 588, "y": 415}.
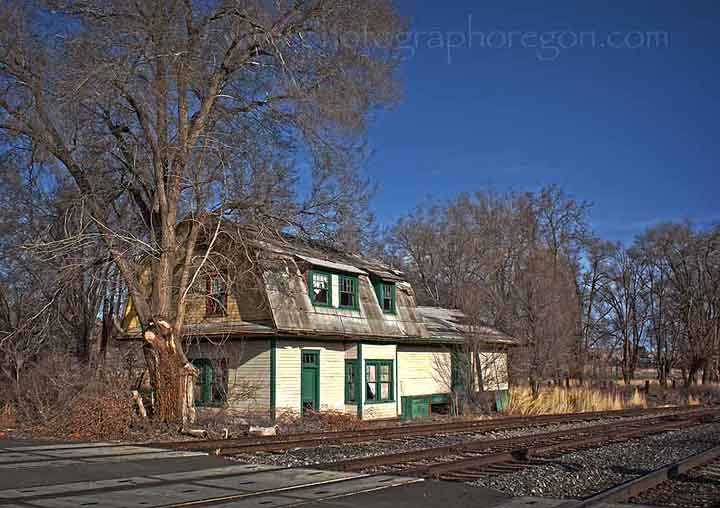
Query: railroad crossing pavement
{"x": 112, "y": 475}
{"x": 60, "y": 475}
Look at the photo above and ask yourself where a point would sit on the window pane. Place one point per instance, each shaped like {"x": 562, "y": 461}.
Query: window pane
{"x": 388, "y": 297}
{"x": 219, "y": 382}
{"x": 347, "y": 292}
{"x": 218, "y": 285}
{"x": 350, "y": 381}
{"x": 347, "y": 299}
{"x": 216, "y": 295}
{"x": 387, "y": 304}
{"x": 198, "y": 392}
{"x": 384, "y": 391}
{"x": 370, "y": 373}
{"x": 384, "y": 372}
{"x": 371, "y": 391}
{"x": 321, "y": 284}
{"x": 320, "y": 280}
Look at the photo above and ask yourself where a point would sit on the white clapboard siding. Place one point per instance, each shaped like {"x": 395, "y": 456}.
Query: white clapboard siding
{"x": 424, "y": 370}
{"x": 378, "y": 351}
{"x": 288, "y": 378}
{"x": 375, "y": 411}
{"x": 386, "y": 409}
{"x": 248, "y": 363}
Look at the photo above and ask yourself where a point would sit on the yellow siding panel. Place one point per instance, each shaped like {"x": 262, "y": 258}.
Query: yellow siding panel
{"x": 378, "y": 352}
{"x": 387, "y": 409}
{"x": 376, "y": 411}
{"x": 351, "y": 352}
{"x": 423, "y": 370}
{"x": 248, "y": 371}
{"x": 332, "y": 374}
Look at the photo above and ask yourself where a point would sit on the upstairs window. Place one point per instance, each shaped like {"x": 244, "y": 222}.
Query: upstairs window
{"x": 320, "y": 288}
{"x": 385, "y": 292}
{"x": 216, "y": 302}
{"x": 348, "y": 292}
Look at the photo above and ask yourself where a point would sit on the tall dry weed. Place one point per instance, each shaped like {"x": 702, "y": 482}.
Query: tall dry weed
{"x": 558, "y": 400}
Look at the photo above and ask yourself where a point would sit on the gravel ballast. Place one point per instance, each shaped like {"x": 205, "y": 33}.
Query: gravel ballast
{"x": 339, "y": 452}
{"x": 588, "y": 472}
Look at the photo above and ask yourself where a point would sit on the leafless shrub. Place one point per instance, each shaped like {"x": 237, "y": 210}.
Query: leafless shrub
{"x": 291, "y": 422}
{"x": 64, "y": 398}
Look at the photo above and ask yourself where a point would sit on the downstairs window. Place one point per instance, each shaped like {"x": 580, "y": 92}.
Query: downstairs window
{"x": 351, "y": 381}
{"x": 211, "y": 385}
{"x": 379, "y": 381}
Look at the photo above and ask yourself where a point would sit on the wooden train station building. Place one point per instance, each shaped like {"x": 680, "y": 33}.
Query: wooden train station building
{"x": 300, "y": 327}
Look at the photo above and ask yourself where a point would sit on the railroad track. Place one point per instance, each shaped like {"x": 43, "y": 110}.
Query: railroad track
{"x": 229, "y": 447}
{"x": 475, "y": 459}
{"x": 690, "y": 483}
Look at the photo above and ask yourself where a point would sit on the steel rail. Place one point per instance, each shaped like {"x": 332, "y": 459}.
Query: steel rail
{"x": 284, "y": 442}
{"x": 508, "y": 452}
{"x": 633, "y": 488}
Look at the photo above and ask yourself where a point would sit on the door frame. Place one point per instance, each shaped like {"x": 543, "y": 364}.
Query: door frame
{"x": 316, "y": 353}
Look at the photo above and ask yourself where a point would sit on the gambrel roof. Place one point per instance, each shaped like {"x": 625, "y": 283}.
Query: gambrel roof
{"x": 282, "y": 264}
{"x": 287, "y": 262}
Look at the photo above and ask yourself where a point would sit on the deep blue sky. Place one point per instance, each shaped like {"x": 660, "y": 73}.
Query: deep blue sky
{"x": 632, "y": 129}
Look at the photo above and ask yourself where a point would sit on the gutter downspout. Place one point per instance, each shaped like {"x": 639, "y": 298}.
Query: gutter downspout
{"x": 361, "y": 378}
{"x": 273, "y": 379}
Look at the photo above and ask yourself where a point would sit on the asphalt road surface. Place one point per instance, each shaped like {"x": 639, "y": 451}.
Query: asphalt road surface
{"x": 116, "y": 475}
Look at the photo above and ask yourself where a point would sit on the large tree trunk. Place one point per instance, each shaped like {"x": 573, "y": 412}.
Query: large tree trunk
{"x": 172, "y": 376}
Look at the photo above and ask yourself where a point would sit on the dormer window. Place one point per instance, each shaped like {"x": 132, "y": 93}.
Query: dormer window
{"x": 320, "y": 288}
{"x": 348, "y": 292}
{"x": 216, "y": 302}
{"x": 385, "y": 292}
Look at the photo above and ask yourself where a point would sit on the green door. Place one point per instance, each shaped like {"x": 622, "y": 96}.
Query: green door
{"x": 310, "y": 381}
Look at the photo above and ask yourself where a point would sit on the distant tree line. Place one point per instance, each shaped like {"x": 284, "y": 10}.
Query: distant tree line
{"x": 528, "y": 264}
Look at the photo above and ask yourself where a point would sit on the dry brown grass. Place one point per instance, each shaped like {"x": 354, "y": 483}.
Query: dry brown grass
{"x": 8, "y": 416}
{"x": 692, "y": 400}
{"x": 638, "y": 399}
{"x": 558, "y": 400}
{"x": 290, "y": 422}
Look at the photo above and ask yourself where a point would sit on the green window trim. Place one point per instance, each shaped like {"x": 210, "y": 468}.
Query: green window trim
{"x": 374, "y": 384}
{"x": 328, "y": 289}
{"x": 386, "y": 291}
{"x": 205, "y": 395}
{"x": 354, "y": 282}
{"x": 352, "y": 387}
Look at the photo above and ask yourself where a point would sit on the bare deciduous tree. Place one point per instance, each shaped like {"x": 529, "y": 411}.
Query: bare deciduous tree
{"x": 171, "y": 112}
